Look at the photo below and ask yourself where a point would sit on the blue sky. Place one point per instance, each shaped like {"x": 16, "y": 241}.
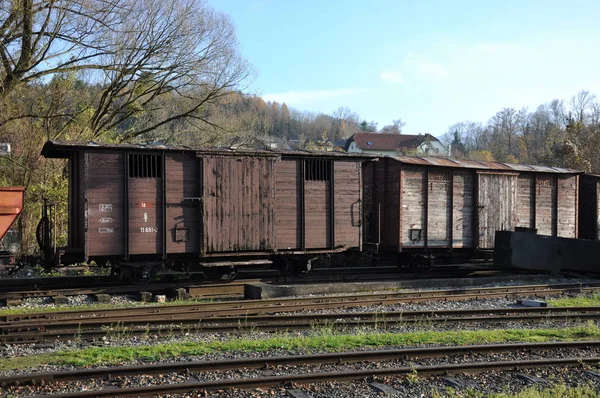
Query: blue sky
{"x": 432, "y": 63}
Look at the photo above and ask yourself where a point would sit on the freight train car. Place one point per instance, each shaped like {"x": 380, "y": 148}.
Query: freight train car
{"x": 11, "y": 205}
{"x": 417, "y": 208}
{"x": 141, "y": 207}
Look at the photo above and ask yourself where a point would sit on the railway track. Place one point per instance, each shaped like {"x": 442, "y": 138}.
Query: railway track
{"x": 267, "y": 306}
{"x": 193, "y": 370}
{"x": 92, "y": 329}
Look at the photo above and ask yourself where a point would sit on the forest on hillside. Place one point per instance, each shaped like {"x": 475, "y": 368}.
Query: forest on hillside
{"x": 148, "y": 70}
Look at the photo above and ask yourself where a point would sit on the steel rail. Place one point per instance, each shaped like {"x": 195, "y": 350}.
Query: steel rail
{"x": 96, "y": 330}
{"x": 310, "y": 378}
{"x": 309, "y": 359}
{"x": 262, "y": 315}
{"x": 294, "y": 304}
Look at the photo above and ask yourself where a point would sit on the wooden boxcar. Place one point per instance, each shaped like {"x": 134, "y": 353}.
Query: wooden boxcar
{"x": 448, "y": 206}
{"x": 139, "y": 205}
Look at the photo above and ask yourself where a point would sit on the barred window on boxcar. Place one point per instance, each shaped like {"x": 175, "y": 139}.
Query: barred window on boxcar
{"x": 144, "y": 166}
{"x": 317, "y": 170}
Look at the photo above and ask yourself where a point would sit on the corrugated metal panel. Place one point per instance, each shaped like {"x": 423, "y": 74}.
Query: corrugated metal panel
{"x": 239, "y": 195}
{"x": 59, "y": 149}
{"x": 105, "y": 204}
{"x": 471, "y": 164}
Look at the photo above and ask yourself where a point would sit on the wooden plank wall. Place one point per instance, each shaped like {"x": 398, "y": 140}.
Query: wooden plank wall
{"x": 239, "y": 196}
{"x": 347, "y": 203}
{"x": 145, "y": 216}
{"x": 373, "y": 196}
{"x": 412, "y": 205}
{"x": 497, "y": 206}
{"x": 317, "y": 205}
{"x": 588, "y": 207}
{"x": 370, "y": 212}
{"x": 544, "y": 214}
{"x": 183, "y": 224}
{"x": 462, "y": 213}
{"x": 525, "y": 201}
{"x": 105, "y": 207}
{"x": 288, "y": 204}
{"x": 390, "y": 218}
{"x": 567, "y": 206}
{"x": 439, "y": 212}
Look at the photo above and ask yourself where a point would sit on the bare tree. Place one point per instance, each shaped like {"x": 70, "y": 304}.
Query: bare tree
{"x": 142, "y": 53}
{"x": 580, "y": 104}
{"x": 394, "y": 128}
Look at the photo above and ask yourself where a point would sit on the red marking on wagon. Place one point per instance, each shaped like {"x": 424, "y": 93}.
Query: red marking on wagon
{"x": 145, "y": 205}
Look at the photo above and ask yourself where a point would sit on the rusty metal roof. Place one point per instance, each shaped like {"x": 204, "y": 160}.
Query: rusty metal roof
{"x": 481, "y": 165}
{"x": 60, "y": 149}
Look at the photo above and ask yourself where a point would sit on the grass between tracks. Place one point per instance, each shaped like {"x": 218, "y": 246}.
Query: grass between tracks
{"x": 555, "y": 391}
{"x": 585, "y": 300}
{"x": 319, "y": 340}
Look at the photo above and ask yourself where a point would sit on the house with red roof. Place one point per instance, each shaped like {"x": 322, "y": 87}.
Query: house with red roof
{"x": 384, "y": 144}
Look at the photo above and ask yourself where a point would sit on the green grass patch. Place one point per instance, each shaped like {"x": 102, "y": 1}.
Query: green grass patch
{"x": 321, "y": 340}
{"x": 585, "y": 300}
{"x": 556, "y": 391}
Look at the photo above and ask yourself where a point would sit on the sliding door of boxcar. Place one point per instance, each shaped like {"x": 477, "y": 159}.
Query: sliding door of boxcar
{"x": 183, "y": 203}
{"x": 145, "y": 173}
{"x": 497, "y": 199}
{"x": 239, "y": 196}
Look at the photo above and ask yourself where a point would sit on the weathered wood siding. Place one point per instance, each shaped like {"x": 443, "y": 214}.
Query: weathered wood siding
{"x": 497, "y": 206}
{"x": 391, "y": 206}
{"x": 525, "y": 201}
{"x": 239, "y": 195}
{"x": 412, "y": 206}
{"x": 288, "y": 204}
{"x": 317, "y": 205}
{"x": 567, "y": 206}
{"x": 439, "y": 211}
{"x": 589, "y": 207}
{"x": 369, "y": 210}
{"x": 545, "y": 191}
{"x": 347, "y": 203}
{"x": 145, "y": 215}
{"x": 183, "y": 206}
{"x": 105, "y": 216}
{"x": 375, "y": 221}
{"x": 462, "y": 223}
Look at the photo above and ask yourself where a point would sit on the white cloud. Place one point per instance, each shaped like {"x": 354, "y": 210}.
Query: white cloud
{"x": 435, "y": 71}
{"x": 310, "y": 96}
{"x": 390, "y": 75}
